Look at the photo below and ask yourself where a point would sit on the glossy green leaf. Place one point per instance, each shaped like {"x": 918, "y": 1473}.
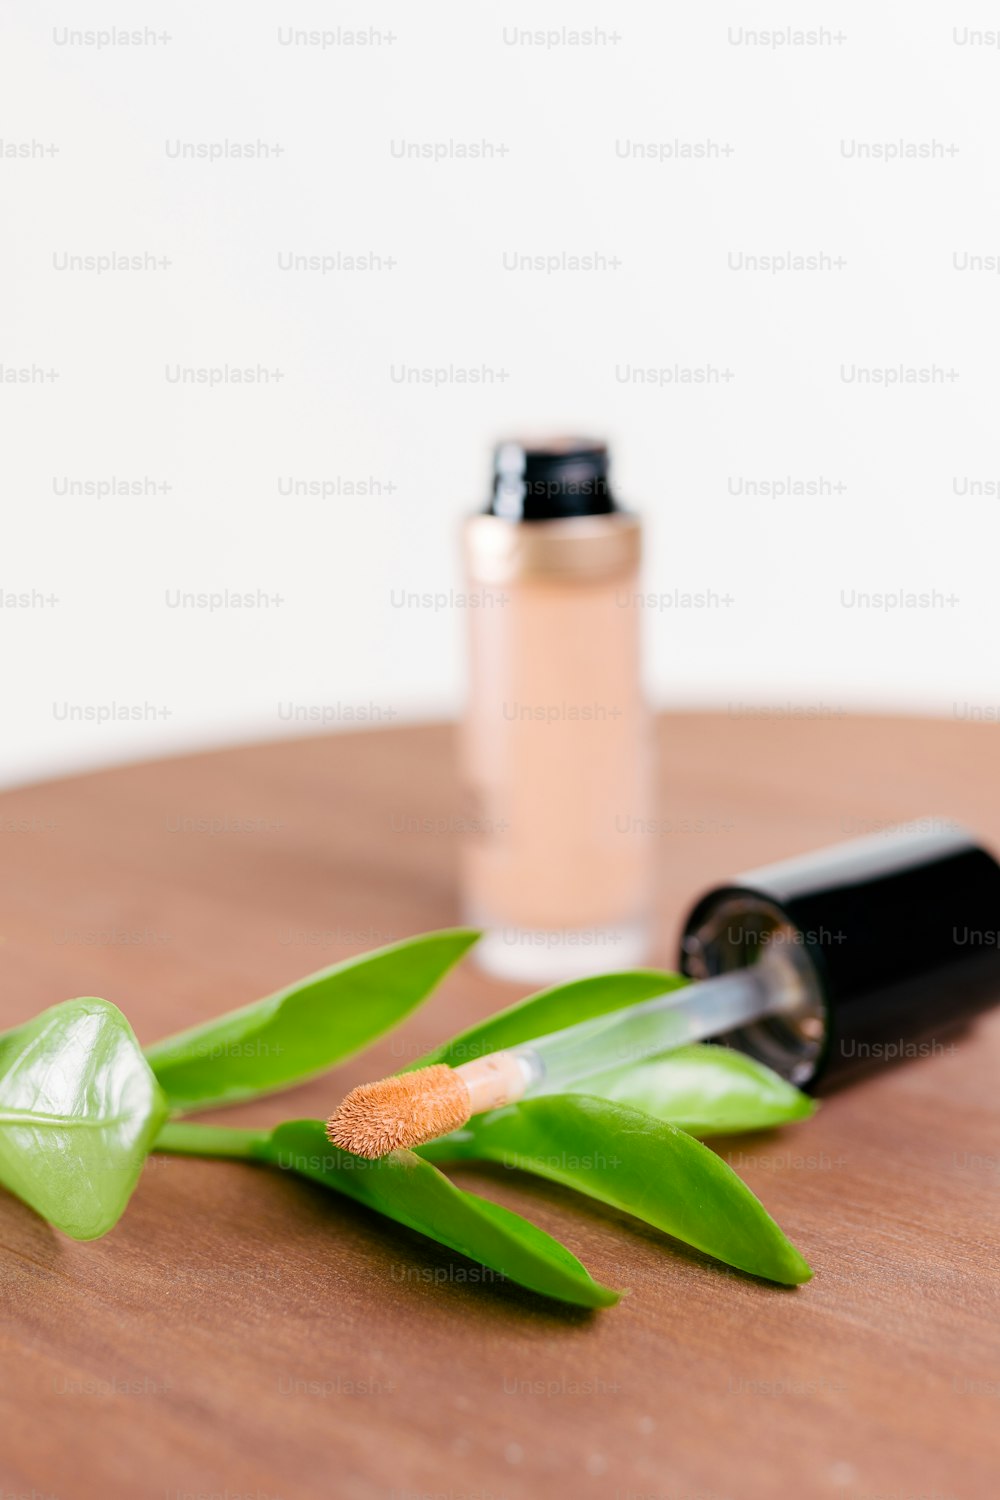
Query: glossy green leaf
{"x": 706, "y": 1090}
{"x": 551, "y": 1010}
{"x": 305, "y": 1028}
{"x": 649, "y": 1168}
{"x": 412, "y": 1192}
{"x": 79, "y": 1110}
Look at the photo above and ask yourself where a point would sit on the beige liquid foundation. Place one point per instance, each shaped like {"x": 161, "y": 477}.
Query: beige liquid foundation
{"x": 555, "y": 747}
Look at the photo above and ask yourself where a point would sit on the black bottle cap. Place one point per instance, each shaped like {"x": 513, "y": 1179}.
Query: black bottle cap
{"x": 902, "y": 931}
{"x": 550, "y": 480}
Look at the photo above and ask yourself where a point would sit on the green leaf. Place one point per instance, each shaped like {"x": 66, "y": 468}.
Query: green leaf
{"x": 706, "y": 1090}
{"x": 413, "y": 1192}
{"x": 306, "y": 1028}
{"x": 628, "y": 1159}
{"x": 79, "y": 1109}
{"x": 551, "y": 1010}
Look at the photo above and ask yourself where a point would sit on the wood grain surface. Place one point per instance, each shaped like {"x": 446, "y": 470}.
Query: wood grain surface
{"x": 245, "y": 1334}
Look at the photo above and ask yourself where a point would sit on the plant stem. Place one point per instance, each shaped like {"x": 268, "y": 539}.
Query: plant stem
{"x": 182, "y": 1139}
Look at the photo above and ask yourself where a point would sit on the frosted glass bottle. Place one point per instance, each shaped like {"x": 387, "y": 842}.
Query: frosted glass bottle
{"x": 555, "y": 740}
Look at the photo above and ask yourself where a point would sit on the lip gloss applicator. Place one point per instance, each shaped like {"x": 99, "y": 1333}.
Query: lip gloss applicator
{"x": 815, "y": 966}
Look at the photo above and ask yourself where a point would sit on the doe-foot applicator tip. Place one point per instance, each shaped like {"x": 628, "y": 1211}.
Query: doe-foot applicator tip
{"x": 408, "y": 1110}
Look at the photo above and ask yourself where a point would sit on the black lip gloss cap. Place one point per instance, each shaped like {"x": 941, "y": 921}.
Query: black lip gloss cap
{"x": 551, "y": 480}
{"x": 901, "y": 931}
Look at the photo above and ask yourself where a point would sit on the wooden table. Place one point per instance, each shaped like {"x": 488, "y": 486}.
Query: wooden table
{"x": 242, "y": 1332}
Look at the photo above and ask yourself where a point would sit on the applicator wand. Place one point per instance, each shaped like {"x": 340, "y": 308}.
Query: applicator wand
{"x": 412, "y": 1108}
{"x": 815, "y": 966}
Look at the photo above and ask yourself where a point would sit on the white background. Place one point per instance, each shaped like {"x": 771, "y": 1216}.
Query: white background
{"x": 568, "y": 183}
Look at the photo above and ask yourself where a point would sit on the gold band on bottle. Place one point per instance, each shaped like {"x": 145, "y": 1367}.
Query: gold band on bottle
{"x": 577, "y": 548}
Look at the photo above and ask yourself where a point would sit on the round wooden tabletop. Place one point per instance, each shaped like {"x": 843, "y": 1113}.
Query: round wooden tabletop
{"x": 245, "y": 1333}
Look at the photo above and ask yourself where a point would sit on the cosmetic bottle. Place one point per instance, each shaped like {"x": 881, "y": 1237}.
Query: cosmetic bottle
{"x": 555, "y": 746}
